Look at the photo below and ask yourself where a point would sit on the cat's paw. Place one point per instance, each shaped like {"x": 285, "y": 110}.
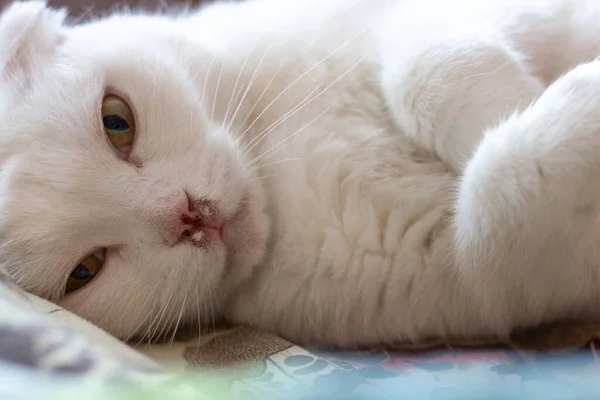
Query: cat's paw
{"x": 446, "y": 87}
{"x": 584, "y": 78}
{"x": 564, "y": 124}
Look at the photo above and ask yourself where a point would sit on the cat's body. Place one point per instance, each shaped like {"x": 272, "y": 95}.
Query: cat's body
{"x": 339, "y": 143}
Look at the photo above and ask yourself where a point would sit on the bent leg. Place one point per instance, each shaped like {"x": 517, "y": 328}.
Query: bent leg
{"x": 528, "y": 200}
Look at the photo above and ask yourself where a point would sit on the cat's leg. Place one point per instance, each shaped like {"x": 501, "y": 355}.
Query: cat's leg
{"x": 528, "y": 198}
{"x": 447, "y": 80}
{"x": 450, "y": 74}
{"x": 528, "y": 207}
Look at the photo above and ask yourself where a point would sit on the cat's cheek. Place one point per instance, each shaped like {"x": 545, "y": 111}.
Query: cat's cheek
{"x": 245, "y": 238}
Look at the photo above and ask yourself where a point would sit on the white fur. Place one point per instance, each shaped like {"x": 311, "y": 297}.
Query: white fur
{"x": 389, "y": 170}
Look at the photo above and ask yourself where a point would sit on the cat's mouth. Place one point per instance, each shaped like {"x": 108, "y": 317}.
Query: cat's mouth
{"x": 206, "y": 235}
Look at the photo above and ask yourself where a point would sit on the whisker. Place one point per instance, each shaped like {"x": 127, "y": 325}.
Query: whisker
{"x": 88, "y": 11}
{"x": 260, "y": 98}
{"x": 308, "y": 102}
{"x": 145, "y": 334}
{"x": 162, "y": 314}
{"x": 266, "y": 153}
{"x": 278, "y": 162}
{"x": 165, "y": 329}
{"x": 133, "y": 331}
{"x": 212, "y": 311}
{"x": 202, "y": 101}
{"x": 234, "y": 91}
{"x": 260, "y": 178}
{"x": 212, "y": 114}
{"x": 248, "y": 87}
{"x": 302, "y": 76}
{"x": 205, "y": 312}
{"x": 178, "y": 320}
{"x": 150, "y": 325}
{"x": 263, "y": 132}
{"x": 199, "y": 323}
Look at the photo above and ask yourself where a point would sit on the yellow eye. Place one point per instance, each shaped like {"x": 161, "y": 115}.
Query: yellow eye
{"x": 84, "y": 272}
{"x": 118, "y": 121}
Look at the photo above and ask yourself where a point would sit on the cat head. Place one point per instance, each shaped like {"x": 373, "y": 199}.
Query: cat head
{"x": 120, "y": 199}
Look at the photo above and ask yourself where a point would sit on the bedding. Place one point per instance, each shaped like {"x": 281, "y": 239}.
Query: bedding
{"x": 47, "y": 353}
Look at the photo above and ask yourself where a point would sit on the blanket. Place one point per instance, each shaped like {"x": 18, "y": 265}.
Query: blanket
{"x": 66, "y": 356}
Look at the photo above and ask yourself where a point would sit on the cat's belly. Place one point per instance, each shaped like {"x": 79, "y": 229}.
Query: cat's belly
{"x": 360, "y": 240}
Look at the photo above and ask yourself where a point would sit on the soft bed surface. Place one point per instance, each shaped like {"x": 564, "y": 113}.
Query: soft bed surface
{"x": 47, "y": 352}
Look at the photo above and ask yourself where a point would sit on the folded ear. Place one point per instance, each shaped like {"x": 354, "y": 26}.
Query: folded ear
{"x": 29, "y": 33}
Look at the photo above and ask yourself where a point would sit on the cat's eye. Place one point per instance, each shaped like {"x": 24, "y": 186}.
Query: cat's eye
{"x": 84, "y": 272}
{"x": 119, "y": 122}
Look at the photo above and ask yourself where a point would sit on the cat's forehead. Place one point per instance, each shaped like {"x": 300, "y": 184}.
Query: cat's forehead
{"x": 63, "y": 107}
{"x": 52, "y": 88}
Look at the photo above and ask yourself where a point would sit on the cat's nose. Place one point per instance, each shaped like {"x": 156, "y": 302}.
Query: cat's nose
{"x": 199, "y": 227}
{"x": 198, "y": 219}
{"x": 192, "y": 221}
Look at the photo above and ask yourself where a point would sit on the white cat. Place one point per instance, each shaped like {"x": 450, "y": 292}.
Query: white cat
{"x": 339, "y": 172}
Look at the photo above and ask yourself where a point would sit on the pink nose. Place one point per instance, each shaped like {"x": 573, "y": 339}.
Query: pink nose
{"x": 199, "y": 216}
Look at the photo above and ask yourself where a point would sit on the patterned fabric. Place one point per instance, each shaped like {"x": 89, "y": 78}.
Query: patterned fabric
{"x": 68, "y": 358}
{"x": 269, "y": 364}
{"x": 34, "y": 347}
